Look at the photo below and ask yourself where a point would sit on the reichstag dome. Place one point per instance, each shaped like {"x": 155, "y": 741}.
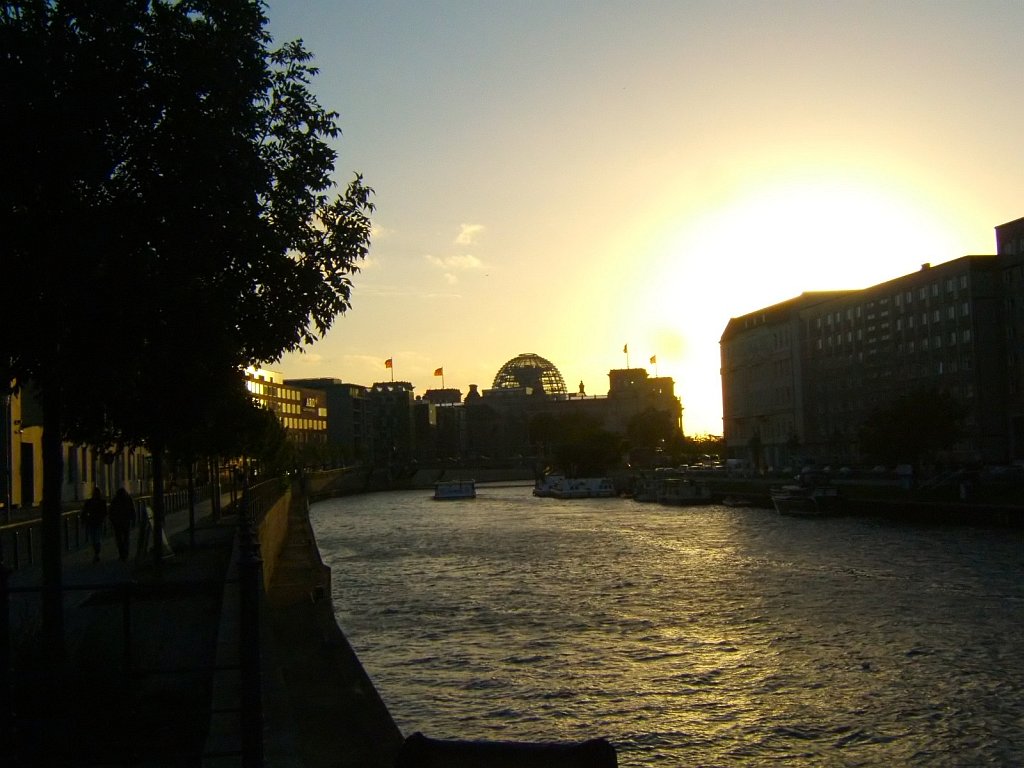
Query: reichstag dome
{"x": 530, "y": 370}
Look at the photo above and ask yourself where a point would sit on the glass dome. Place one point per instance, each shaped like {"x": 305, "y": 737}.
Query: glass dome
{"x": 530, "y": 370}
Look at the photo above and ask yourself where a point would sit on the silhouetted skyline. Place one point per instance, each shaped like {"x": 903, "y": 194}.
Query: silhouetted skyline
{"x": 567, "y": 179}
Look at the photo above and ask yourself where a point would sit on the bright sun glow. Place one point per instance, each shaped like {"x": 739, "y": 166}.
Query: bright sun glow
{"x": 766, "y": 245}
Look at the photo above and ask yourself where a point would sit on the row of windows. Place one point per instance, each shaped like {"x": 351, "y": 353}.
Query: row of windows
{"x": 901, "y": 300}
{"x": 273, "y": 390}
{"x": 293, "y": 423}
{"x": 954, "y": 337}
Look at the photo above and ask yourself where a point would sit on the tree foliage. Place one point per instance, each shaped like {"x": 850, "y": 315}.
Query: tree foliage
{"x": 652, "y": 428}
{"x": 168, "y": 204}
{"x": 168, "y": 215}
{"x": 576, "y": 444}
{"x": 913, "y": 428}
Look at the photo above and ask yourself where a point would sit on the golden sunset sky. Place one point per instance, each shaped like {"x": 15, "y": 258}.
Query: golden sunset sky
{"x": 566, "y": 178}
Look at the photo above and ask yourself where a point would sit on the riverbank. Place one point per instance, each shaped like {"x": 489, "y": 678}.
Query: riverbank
{"x": 322, "y": 706}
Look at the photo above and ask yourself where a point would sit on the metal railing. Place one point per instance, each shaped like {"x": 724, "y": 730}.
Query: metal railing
{"x": 21, "y": 542}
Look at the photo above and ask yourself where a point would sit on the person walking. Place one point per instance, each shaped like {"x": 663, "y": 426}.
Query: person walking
{"x": 122, "y": 513}
{"x": 94, "y": 514}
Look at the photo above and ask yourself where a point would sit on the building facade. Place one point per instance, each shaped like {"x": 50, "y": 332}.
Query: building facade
{"x": 1010, "y": 247}
{"x": 85, "y": 468}
{"x": 349, "y": 417}
{"x": 800, "y": 378}
{"x": 301, "y": 411}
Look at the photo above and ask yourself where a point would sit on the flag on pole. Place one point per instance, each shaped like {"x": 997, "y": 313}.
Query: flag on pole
{"x": 654, "y": 359}
{"x": 387, "y": 363}
{"x": 625, "y": 349}
{"x": 439, "y": 371}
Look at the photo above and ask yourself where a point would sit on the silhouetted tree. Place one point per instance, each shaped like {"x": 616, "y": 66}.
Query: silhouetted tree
{"x": 168, "y": 218}
{"x": 913, "y": 428}
{"x": 651, "y": 429}
{"x": 578, "y": 445}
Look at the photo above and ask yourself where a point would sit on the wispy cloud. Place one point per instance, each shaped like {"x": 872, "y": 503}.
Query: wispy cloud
{"x": 464, "y": 261}
{"x": 308, "y": 358}
{"x": 468, "y": 233}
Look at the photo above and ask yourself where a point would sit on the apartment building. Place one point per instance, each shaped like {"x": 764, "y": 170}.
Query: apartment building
{"x": 800, "y": 378}
{"x": 1010, "y": 247}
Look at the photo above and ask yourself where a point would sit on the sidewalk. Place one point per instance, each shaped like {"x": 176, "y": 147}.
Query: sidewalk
{"x": 173, "y": 700}
{"x": 136, "y": 688}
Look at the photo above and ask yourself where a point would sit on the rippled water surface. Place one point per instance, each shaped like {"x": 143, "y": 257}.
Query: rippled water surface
{"x": 686, "y": 636}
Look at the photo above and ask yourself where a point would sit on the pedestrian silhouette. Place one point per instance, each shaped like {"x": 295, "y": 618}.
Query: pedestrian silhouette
{"x": 94, "y": 514}
{"x": 122, "y": 512}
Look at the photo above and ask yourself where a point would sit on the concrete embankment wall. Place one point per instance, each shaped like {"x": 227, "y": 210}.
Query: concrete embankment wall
{"x": 334, "y": 714}
{"x": 272, "y": 530}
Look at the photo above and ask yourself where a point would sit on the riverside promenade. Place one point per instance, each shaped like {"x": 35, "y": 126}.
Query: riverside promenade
{"x": 152, "y": 673}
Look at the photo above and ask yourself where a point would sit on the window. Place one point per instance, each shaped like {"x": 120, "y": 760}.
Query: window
{"x": 965, "y": 309}
{"x": 965, "y": 336}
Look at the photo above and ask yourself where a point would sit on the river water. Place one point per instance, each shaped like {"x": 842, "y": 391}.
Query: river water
{"x": 686, "y": 636}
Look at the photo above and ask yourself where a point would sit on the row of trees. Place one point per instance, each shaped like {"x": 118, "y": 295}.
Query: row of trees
{"x": 577, "y": 444}
{"x": 169, "y": 217}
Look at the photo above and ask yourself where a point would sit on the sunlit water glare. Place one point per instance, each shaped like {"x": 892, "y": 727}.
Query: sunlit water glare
{"x": 686, "y": 636}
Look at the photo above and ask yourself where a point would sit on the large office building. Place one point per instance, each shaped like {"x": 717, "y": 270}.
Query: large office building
{"x": 349, "y": 417}
{"x": 1010, "y": 247}
{"x": 800, "y": 378}
{"x": 301, "y": 411}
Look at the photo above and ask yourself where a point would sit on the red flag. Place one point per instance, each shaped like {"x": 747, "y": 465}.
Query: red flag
{"x": 387, "y": 363}
{"x": 439, "y": 371}
{"x": 654, "y": 359}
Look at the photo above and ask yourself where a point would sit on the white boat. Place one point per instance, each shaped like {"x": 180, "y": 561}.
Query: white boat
{"x": 812, "y": 497}
{"x": 678, "y": 492}
{"x": 452, "y": 490}
{"x": 562, "y": 487}
{"x": 547, "y": 484}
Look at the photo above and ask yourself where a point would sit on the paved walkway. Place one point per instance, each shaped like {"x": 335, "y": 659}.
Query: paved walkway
{"x": 136, "y": 688}
{"x": 162, "y": 688}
